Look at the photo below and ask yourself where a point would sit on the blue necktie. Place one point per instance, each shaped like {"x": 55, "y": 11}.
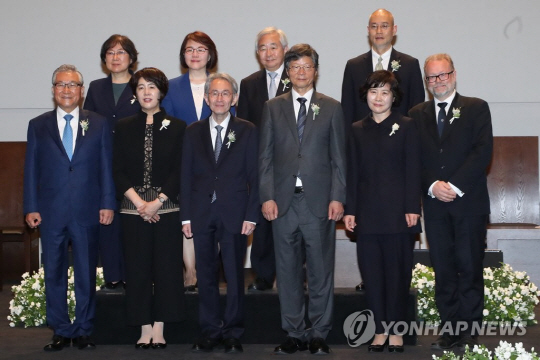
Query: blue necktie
{"x": 302, "y": 116}
{"x": 441, "y": 117}
{"x": 217, "y": 150}
{"x": 67, "y": 138}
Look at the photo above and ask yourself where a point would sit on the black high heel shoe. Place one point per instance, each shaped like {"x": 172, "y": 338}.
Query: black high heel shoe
{"x": 378, "y": 347}
{"x": 395, "y": 348}
{"x": 143, "y": 346}
{"x": 191, "y": 289}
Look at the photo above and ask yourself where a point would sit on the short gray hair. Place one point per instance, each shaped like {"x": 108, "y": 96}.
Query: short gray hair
{"x": 223, "y": 76}
{"x": 272, "y": 30}
{"x": 438, "y": 57}
{"x": 67, "y": 68}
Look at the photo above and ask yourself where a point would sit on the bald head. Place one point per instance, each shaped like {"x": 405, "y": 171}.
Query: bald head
{"x": 382, "y": 12}
{"x": 381, "y": 30}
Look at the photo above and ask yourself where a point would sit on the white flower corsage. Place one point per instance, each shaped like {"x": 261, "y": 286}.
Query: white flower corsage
{"x": 133, "y": 100}
{"x": 316, "y": 109}
{"x": 456, "y": 113}
{"x": 84, "y": 126}
{"x": 232, "y": 138}
{"x": 395, "y": 65}
{"x": 164, "y": 124}
{"x": 395, "y": 128}
{"x": 285, "y": 82}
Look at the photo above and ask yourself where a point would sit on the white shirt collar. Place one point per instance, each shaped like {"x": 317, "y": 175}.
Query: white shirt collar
{"x": 448, "y": 101}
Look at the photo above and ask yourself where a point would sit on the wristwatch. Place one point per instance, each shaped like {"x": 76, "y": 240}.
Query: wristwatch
{"x": 161, "y": 199}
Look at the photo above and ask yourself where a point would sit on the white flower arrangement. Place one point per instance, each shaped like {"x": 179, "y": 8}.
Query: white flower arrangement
{"x": 456, "y": 113}
{"x": 132, "y": 101}
{"x": 232, "y": 138}
{"x": 28, "y": 304}
{"x": 509, "y": 296}
{"x": 395, "y": 128}
{"x": 164, "y": 124}
{"x": 285, "y": 82}
{"x": 395, "y": 65}
{"x": 316, "y": 110}
{"x": 84, "y": 126}
{"x": 481, "y": 352}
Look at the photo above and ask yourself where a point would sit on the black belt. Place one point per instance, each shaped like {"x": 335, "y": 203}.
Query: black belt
{"x": 298, "y": 189}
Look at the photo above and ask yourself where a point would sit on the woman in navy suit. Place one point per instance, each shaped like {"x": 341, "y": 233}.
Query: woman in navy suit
{"x": 185, "y": 100}
{"x": 111, "y": 97}
{"x": 383, "y": 203}
{"x": 146, "y": 168}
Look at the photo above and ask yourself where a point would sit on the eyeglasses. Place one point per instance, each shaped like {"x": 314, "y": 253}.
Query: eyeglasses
{"x": 111, "y": 53}
{"x": 224, "y": 94}
{"x": 70, "y": 86}
{"x": 441, "y": 77}
{"x": 296, "y": 68}
{"x": 200, "y": 50}
{"x": 383, "y": 27}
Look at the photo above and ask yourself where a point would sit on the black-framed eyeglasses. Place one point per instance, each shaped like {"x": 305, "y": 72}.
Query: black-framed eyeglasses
{"x": 190, "y": 50}
{"x": 296, "y": 68}
{"x": 70, "y": 86}
{"x": 441, "y": 77}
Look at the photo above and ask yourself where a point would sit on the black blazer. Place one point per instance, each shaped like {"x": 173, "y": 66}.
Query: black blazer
{"x": 358, "y": 70}
{"x": 461, "y": 156}
{"x": 128, "y": 153}
{"x": 383, "y": 176}
{"x": 254, "y": 93}
{"x": 100, "y": 99}
{"x": 234, "y": 177}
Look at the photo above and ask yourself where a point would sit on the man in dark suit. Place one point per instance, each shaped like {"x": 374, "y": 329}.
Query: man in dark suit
{"x": 381, "y": 32}
{"x": 219, "y": 206}
{"x": 302, "y": 191}
{"x": 255, "y": 90}
{"x": 68, "y": 192}
{"x": 456, "y": 142}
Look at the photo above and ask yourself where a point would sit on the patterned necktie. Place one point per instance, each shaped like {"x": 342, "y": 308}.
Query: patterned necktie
{"x": 67, "y": 138}
{"x": 217, "y": 150}
{"x": 440, "y": 117}
{"x": 272, "y": 89}
{"x": 302, "y": 116}
{"x": 379, "y": 64}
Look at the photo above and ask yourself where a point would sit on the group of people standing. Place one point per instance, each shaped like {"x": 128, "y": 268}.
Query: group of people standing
{"x": 273, "y": 157}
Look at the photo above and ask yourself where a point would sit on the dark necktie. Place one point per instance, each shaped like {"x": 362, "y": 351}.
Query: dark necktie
{"x": 217, "y": 150}
{"x": 67, "y": 138}
{"x": 302, "y": 116}
{"x": 441, "y": 117}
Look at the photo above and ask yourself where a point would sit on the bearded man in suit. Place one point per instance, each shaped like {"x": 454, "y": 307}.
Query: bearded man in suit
{"x": 456, "y": 146}
{"x": 302, "y": 191}
{"x": 68, "y": 193}
{"x": 255, "y": 90}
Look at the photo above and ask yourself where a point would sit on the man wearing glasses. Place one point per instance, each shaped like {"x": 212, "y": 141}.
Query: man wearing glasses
{"x": 456, "y": 141}
{"x": 68, "y": 192}
{"x": 302, "y": 191}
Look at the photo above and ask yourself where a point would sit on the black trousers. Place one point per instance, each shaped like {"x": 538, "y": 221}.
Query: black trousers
{"x": 263, "y": 259}
{"x": 386, "y": 262}
{"x": 154, "y": 269}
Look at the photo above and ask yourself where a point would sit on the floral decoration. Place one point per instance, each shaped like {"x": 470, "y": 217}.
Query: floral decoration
{"x": 133, "y": 100}
{"x": 505, "y": 350}
{"x": 395, "y": 128}
{"x": 316, "y": 109}
{"x": 84, "y": 126}
{"x": 164, "y": 124}
{"x": 395, "y": 65}
{"x": 285, "y": 82}
{"x": 456, "y": 113}
{"x": 232, "y": 138}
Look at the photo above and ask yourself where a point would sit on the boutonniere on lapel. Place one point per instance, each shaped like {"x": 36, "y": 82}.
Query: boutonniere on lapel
{"x": 316, "y": 109}
{"x": 285, "y": 82}
{"x": 395, "y": 65}
{"x": 164, "y": 124}
{"x": 456, "y": 113}
{"x": 395, "y": 128}
{"x": 232, "y": 138}
{"x": 84, "y": 126}
{"x": 133, "y": 100}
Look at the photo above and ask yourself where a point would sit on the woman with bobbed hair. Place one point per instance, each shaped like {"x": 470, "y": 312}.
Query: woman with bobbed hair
{"x": 185, "y": 100}
{"x": 383, "y": 204}
{"x": 146, "y": 167}
{"x": 111, "y": 97}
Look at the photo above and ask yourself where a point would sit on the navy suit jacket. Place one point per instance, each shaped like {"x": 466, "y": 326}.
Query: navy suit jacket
{"x": 358, "y": 70}
{"x": 60, "y": 189}
{"x": 254, "y": 93}
{"x": 460, "y": 156}
{"x": 100, "y": 99}
{"x": 179, "y": 101}
{"x": 233, "y": 178}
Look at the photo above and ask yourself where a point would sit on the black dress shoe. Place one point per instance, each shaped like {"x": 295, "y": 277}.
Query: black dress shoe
{"x": 232, "y": 345}
{"x": 444, "y": 342}
{"x": 113, "y": 286}
{"x": 360, "y": 287}
{"x": 260, "y": 285}
{"x": 143, "y": 346}
{"x": 318, "y": 346}
{"x": 84, "y": 342}
{"x": 290, "y": 346}
{"x": 396, "y": 348}
{"x": 205, "y": 344}
{"x": 57, "y": 343}
{"x": 190, "y": 289}
{"x": 159, "y": 345}
{"x": 467, "y": 340}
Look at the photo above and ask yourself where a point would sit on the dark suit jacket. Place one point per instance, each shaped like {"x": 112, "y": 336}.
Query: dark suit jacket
{"x": 233, "y": 177}
{"x": 358, "y": 70}
{"x": 383, "y": 175}
{"x": 254, "y": 93}
{"x": 320, "y": 158}
{"x": 461, "y": 156}
{"x": 179, "y": 101}
{"x": 58, "y": 188}
{"x": 128, "y": 159}
{"x": 100, "y": 99}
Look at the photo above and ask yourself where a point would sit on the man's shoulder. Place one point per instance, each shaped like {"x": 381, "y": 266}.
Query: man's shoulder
{"x": 43, "y": 117}
{"x": 242, "y": 123}
{"x": 317, "y": 96}
{"x": 470, "y": 100}
{"x": 94, "y": 116}
{"x": 253, "y": 77}
{"x": 359, "y": 59}
{"x": 421, "y": 107}
{"x": 405, "y": 57}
